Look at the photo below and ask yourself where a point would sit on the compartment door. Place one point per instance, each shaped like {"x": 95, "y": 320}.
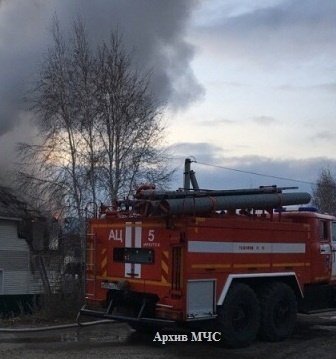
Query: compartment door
{"x": 201, "y": 299}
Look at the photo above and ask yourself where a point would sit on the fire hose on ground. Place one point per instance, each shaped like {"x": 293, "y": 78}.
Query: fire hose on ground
{"x": 55, "y": 327}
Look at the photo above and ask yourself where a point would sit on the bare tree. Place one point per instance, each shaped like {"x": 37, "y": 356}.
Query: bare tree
{"x": 100, "y": 127}
{"x": 324, "y": 193}
{"x": 129, "y": 125}
{"x": 53, "y": 165}
{"x": 83, "y": 65}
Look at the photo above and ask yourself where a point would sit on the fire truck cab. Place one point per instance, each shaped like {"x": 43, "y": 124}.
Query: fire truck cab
{"x": 234, "y": 260}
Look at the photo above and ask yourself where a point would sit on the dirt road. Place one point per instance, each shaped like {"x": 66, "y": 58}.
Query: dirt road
{"x": 314, "y": 338}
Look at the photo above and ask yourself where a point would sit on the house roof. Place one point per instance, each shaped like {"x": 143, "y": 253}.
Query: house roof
{"x": 10, "y": 205}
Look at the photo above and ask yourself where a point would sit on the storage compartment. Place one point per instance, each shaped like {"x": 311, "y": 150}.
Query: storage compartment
{"x": 201, "y": 299}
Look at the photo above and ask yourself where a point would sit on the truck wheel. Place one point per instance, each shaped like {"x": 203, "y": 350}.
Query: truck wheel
{"x": 238, "y": 317}
{"x": 278, "y": 306}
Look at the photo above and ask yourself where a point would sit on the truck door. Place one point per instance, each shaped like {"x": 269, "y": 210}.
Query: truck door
{"x": 333, "y": 249}
{"x": 323, "y": 261}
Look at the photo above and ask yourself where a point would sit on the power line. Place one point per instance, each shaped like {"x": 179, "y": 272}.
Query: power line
{"x": 247, "y": 172}
{"x": 256, "y": 173}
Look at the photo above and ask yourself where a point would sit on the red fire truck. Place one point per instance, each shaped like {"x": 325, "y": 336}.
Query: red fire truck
{"x": 234, "y": 260}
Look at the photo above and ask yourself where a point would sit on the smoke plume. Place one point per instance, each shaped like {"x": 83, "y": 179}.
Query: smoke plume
{"x": 153, "y": 31}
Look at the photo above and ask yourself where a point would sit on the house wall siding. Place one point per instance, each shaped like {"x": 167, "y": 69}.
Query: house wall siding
{"x": 15, "y": 263}
{"x": 9, "y": 239}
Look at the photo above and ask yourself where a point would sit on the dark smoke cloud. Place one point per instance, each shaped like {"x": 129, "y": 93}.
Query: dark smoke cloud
{"x": 152, "y": 30}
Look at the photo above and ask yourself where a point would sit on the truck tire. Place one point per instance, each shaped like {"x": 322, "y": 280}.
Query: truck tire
{"x": 239, "y": 316}
{"x": 278, "y": 306}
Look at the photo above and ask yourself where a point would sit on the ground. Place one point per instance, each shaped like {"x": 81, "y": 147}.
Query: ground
{"x": 314, "y": 337}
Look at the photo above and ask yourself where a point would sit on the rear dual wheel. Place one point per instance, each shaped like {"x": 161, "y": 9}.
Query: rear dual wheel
{"x": 278, "y": 306}
{"x": 243, "y": 315}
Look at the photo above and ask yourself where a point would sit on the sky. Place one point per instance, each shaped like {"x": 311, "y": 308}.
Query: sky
{"x": 249, "y": 85}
